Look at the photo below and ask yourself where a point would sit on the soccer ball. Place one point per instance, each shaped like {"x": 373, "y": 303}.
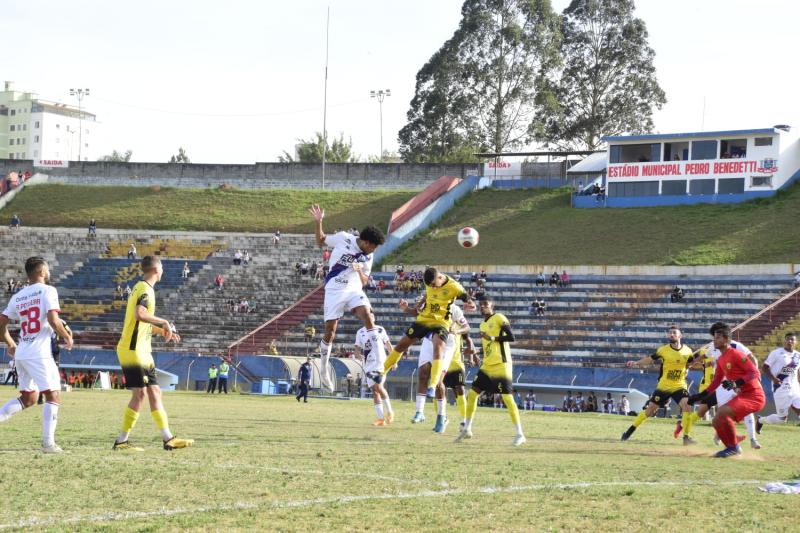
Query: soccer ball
{"x": 468, "y": 237}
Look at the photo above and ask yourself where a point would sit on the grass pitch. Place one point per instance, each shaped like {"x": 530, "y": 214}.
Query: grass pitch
{"x": 273, "y": 464}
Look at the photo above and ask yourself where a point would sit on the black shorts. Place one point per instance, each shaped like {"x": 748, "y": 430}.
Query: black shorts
{"x": 419, "y": 331}
{"x": 711, "y": 400}
{"x": 661, "y": 398}
{"x": 485, "y": 383}
{"x": 453, "y": 379}
{"x": 139, "y": 376}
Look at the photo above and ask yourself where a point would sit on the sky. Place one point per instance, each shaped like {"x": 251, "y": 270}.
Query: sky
{"x": 240, "y": 81}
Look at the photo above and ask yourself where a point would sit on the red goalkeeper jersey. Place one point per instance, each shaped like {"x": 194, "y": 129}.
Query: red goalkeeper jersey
{"x": 735, "y": 365}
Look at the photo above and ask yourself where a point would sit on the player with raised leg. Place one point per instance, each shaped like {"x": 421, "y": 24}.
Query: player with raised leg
{"x": 373, "y": 371}
{"x": 452, "y": 352}
{"x": 135, "y": 354}
{"x": 735, "y": 371}
{"x": 36, "y": 307}
{"x": 781, "y": 369}
{"x": 433, "y": 318}
{"x": 675, "y": 358}
{"x": 704, "y": 402}
{"x": 495, "y": 373}
{"x": 350, "y": 266}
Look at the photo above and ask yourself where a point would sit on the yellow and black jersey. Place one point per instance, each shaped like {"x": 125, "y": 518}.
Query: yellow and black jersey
{"x": 708, "y": 368}
{"x": 136, "y": 335}
{"x": 496, "y": 352}
{"x": 674, "y": 367}
{"x": 436, "y": 311}
{"x": 457, "y": 363}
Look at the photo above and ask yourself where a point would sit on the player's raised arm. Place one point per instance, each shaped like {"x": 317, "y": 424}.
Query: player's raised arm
{"x": 644, "y": 361}
{"x": 318, "y": 213}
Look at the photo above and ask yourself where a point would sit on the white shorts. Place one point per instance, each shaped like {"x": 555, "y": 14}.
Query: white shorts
{"x": 370, "y": 381}
{"x": 38, "y": 375}
{"x": 785, "y": 399}
{"x": 426, "y": 351}
{"x": 724, "y": 396}
{"x": 337, "y": 302}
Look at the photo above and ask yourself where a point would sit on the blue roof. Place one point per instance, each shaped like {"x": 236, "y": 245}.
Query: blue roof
{"x": 658, "y": 136}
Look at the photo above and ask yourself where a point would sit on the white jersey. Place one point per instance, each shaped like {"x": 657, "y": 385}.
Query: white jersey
{"x": 783, "y": 365}
{"x": 30, "y": 306}
{"x": 714, "y": 353}
{"x": 341, "y": 276}
{"x": 373, "y": 359}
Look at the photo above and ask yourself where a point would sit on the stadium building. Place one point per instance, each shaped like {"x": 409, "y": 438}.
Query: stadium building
{"x": 688, "y": 168}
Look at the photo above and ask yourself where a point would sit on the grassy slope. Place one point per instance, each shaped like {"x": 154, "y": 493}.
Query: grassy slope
{"x": 273, "y": 458}
{"x": 539, "y": 227}
{"x": 200, "y": 209}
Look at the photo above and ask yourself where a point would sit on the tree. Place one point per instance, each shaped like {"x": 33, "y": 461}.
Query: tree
{"x": 387, "y": 157}
{"x": 118, "y": 157}
{"x": 608, "y": 85}
{"x": 181, "y": 157}
{"x": 310, "y": 151}
{"x": 478, "y": 91}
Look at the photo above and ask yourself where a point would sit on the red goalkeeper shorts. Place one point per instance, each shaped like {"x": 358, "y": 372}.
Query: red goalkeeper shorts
{"x": 745, "y": 403}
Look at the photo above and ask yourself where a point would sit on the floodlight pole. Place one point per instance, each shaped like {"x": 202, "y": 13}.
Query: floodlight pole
{"x": 381, "y": 94}
{"x": 325, "y": 97}
{"x": 79, "y": 93}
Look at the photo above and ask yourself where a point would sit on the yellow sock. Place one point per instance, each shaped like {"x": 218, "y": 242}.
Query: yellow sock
{"x": 129, "y": 419}
{"x": 436, "y": 373}
{"x": 391, "y": 360}
{"x": 641, "y": 417}
{"x": 160, "y": 418}
{"x": 686, "y": 422}
{"x": 461, "y": 403}
{"x": 472, "y": 404}
{"x": 511, "y": 405}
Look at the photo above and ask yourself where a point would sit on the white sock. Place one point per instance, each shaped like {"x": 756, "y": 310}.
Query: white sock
{"x": 11, "y": 407}
{"x": 123, "y": 436}
{"x": 440, "y": 407}
{"x": 387, "y": 405}
{"x": 325, "y": 353}
{"x": 772, "y": 419}
{"x": 420, "y": 403}
{"x": 49, "y": 423}
{"x": 379, "y": 410}
{"x": 166, "y": 434}
{"x": 519, "y": 428}
{"x": 468, "y": 423}
{"x": 750, "y": 424}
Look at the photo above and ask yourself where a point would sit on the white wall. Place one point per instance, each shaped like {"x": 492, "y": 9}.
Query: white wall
{"x": 59, "y": 137}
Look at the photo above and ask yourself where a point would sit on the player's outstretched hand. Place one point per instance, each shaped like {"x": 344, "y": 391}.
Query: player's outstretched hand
{"x": 630, "y": 364}
{"x": 403, "y": 305}
{"x": 317, "y": 212}
{"x": 470, "y": 306}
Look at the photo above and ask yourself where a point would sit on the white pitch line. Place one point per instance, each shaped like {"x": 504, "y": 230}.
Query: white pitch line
{"x": 129, "y": 515}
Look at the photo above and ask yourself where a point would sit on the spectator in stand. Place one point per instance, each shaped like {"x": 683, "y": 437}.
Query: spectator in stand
{"x": 325, "y": 269}
{"x": 313, "y": 269}
{"x": 534, "y": 310}
{"x": 309, "y": 332}
{"x": 272, "y": 349}
{"x": 564, "y": 278}
{"x": 624, "y": 406}
{"x": 118, "y": 292}
{"x": 246, "y": 258}
{"x": 237, "y": 257}
{"x": 127, "y": 291}
{"x": 185, "y": 271}
{"x": 219, "y": 282}
{"x": 540, "y": 279}
{"x": 132, "y": 251}
{"x": 16, "y": 222}
{"x": 457, "y": 276}
{"x": 540, "y": 308}
{"x": 276, "y": 238}
{"x": 481, "y": 283}
{"x": 484, "y": 276}
{"x": 371, "y": 285}
{"x": 555, "y": 279}
{"x": 304, "y": 266}
{"x": 677, "y": 295}
{"x": 381, "y": 285}
{"x": 326, "y": 254}
{"x": 92, "y": 229}
{"x": 10, "y": 286}
{"x": 797, "y": 280}
{"x": 474, "y": 278}
{"x": 297, "y": 269}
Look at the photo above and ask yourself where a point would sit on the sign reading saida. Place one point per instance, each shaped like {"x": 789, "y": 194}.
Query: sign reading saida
{"x": 50, "y": 163}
